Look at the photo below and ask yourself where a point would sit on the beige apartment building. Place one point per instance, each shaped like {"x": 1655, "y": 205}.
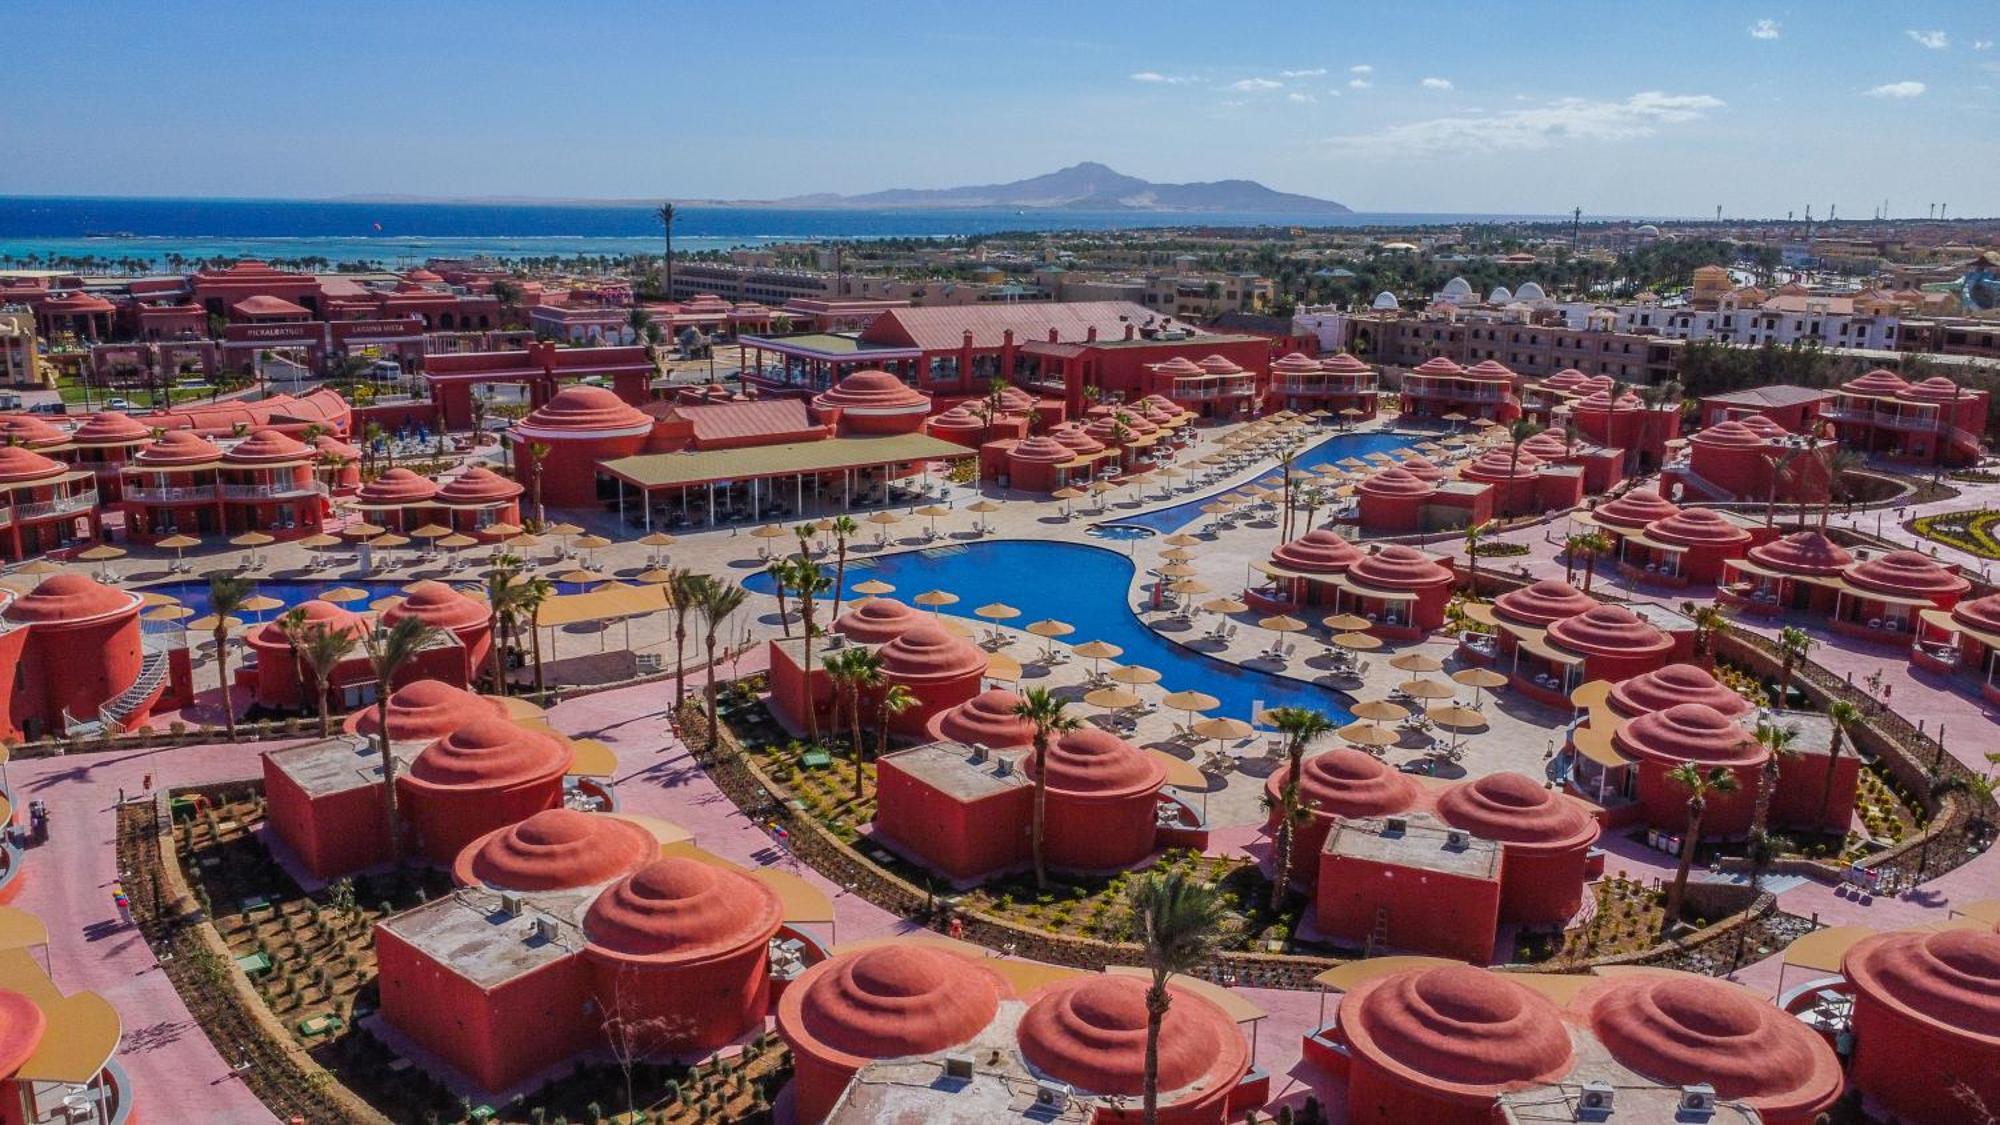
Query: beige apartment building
{"x": 20, "y": 353}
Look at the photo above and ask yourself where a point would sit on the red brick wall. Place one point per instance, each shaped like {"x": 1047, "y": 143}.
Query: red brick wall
{"x": 1429, "y": 912}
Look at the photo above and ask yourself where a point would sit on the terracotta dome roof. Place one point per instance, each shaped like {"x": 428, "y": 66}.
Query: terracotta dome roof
{"x": 1947, "y": 979}
{"x": 79, "y": 302}
{"x": 1135, "y": 423}
{"x": 478, "y": 485}
{"x": 1544, "y": 603}
{"x": 1565, "y": 379}
{"x": 1437, "y": 365}
{"x": 1673, "y": 685}
{"x": 1457, "y": 1030}
{"x": 22, "y": 1025}
{"x": 1980, "y": 613}
{"x": 263, "y": 304}
{"x": 1348, "y": 782}
{"x": 327, "y": 615}
{"x": 265, "y": 446}
{"x": 1501, "y": 465}
{"x": 926, "y": 652}
{"x": 1697, "y": 527}
{"x": 1764, "y": 425}
{"x": 1014, "y": 400}
{"x": 1319, "y": 551}
{"x": 1609, "y": 630}
{"x": 435, "y": 603}
{"x": 987, "y": 719}
{"x": 878, "y": 621}
{"x": 398, "y": 486}
{"x": 1547, "y": 445}
{"x": 1681, "y": 1029}
{"x": 555, "y": 849}
{"x": 1880, "y": 381}
{"x": 1091, "y": 1033}
{"x": 67, "y": 599}
{"x": 425, "y": 710}
{"x": 1341, "y": 363}
{"x": 1397, "y": 567}
{"x": 490, "y": 753}
{"x": 1085, "y": 440}
{"x": 1519, "y": 812}
{"x": 1802, "y": 552}
{"x": 1730, "y": 434}
{"x": 1906, "y": 572}
{"x": 1421, "y": 467}
{"x": 1093, "y": 762}
{"x": 1937, "y": 388}
{"x": 1296, "y": 363}
{"x": 1635, "y": 509}
{"x": 582, "y": 410}
{"x": 1395, "y": 481}
{"x": 19, "y": 463}
{"x": 1040, "y": 449}
{"x": 331, "y": 446}
{"x": 110, "y": 427}
{"x": 959, "y": 419}
{"x": 1598, "y": 401}
{"x": 1218, "y": 365}
{"x": 421, "y": 274}
{"x": 178, "y": 447}
{"x": 873, "y": 392}
{"x": 1690, "y": 732}
{"x": 1180, "y": 367}
{"x": 1490, "y": 370}
{"x": 680, "y": 911}
{"x": 889, "y": 1001}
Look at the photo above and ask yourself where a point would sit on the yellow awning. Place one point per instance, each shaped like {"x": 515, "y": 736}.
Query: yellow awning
{"x": 1240, "y": 1009}
{"x": 1559, "y": 987}
{"x": 665, "y": 831}
{"x": 609, "y": 603}
{"x": 1942, "y": 619}
{"x": 1854, "y": 591}
{"x": 1349, "y": 585}
{"x": 1536, "y": 642}
{"x": 799, "y": 900}
{"x": 82, "y": 1035}
{"x": 667, "y": 470}
{"x": 1594, "y": 742}
{"x": 1341, "y": 978}
{"x": 20, "y": 929}
{"x": 1180, "y": 774}
{"x": 1822, "y": 950}
{"x": 1986, "y": 911}
{"x": 1481, "y": 612}
{"x": 593, "y": 758}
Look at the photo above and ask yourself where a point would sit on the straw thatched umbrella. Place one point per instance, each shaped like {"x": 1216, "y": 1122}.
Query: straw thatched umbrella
{"x": 1417, "y": 662}
{"x": 1134, "y": 675}
{"x": 1479, "y": 678}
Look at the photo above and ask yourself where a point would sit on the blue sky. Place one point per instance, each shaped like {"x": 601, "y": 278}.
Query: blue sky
{"x": 1410, "y": 106}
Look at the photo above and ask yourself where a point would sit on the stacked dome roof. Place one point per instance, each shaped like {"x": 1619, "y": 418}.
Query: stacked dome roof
{"x": 1802, "y": 552}
{"x": 1635, "y": 509}
{"x": 1937, "y": 388}
{"x": 397, "y": 487}
{"x": 926, "y": 652}
{"x": 1398, "y": 567}
{"x": 267, "y": 447}
{"x": 1296, "y": 363}
{"x": 1349, "y": 782}
{"x": 27, "y": 429}
{"x": 1543, "y": 603}
{"x": 1091, "y": 1033}
{"x": 1979, "y": 613}
{"x": 490, "y": 753}
{"x": 878, "y": 621}
{"x": 1320, "y": 551}
{"x": 681, "y": 911}
{"x": 1697, "y": 527}
{"x": 22, "y": 1025}
{"x": 889, "y": 1002}
{"x": 1880, "y": 382}
{"x": 1395, "y": 481}
{"x": 556, "y": 849}
{"x": 1491, "y": 370}
{"x": 1519, "y": 812}
{"x": 1040, "y": 449}
{"x": 1947, "y": 979}
{"x": 425, "y": 710}
{"x": 1907, "y": 573}
{"x": 1729, "y": 434}
{"x": 1456, "y": 1030}
{"x": 1093, "y": 762}
{"x": 19, "y": 463}
{"x": 110, "y": 427}
{"x": 1673, "y": 685}
{"x": 580, "y": 410}
{"x": 987, "y": 719}
{"x": 873, "y": 392}
{"x": 177, "y": 448}
{"x": 310, "y": 613}
{"x": 958, "y": 422}
{"x": 435, "y": 603}
{"x": 1690, "y": 732}
{"x": 1502, "y": 465}
{"x": 1341, "y": 363}
{"x": 1437, "y": 365}
{"x": 1609, "y": 630}
{"x": 478, "y": 485}
{"x": 1421, "y": 467}
{"x": 70, "y": 599}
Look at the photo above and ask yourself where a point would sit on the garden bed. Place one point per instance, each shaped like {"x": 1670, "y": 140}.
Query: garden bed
{"x": 1970, "y": 531}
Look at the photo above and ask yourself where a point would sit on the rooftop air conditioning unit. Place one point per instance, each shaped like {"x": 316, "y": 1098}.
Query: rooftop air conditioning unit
{"x": 510, "y": 904}
{"x": 1595, "y": 1104}
{"x": 545, "y": 929}
{"x": 979, "y": 752}
{"x": 1698, "y": 1098}
{"x": 1457, "y": 840}
{"x": 958, "y": 1067}
{"x": 1395, "y": 826}
{"x": 1003, "y": 767}
{"x": 1051, "y": 1095}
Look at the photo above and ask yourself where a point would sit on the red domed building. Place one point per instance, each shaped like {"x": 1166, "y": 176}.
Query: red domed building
{"x": 1304, "y": 569}
{"x": 1440, "y": 1045}
{"x": 467, "y": 620}
{"x": 102, "y": 446}
{"x": 940, "y": 669}
{"x": 581, "y": 426}
{"x": 1628, "y": 514}
{"x": 268, "y": 484}
{"x": 1881, "y": 597}
{"x": 1523, "y": 484}
{"x": 398, "y": 499}
{"x": 1698, "y": 733}
{"x": 339, "y": 465}
{"x": 1438, "y": 387}
{"x": 1337, "y": 384}
{"x": 556, "y": 849}
{"x": 1403, "y": 588}
{"x": 1545, "y": 841}
{"x": 1963, "y": 642}
{"x": 425, "y": 710}
{"x": 987, "y": 719}
{"x": 1103, "y": 801}
{"x": 1036, "y": 464}
{"x": 1090, "y": 1033}
{"x": 874, "y": 402}
{"x": 1689, "y": 547}
{"x": 484, "y": 775}
{"x": 1525, "y": 611}
{"x": 885, "y": 1002}
{"x": 1800, "y": 571}
{"x": 1680, "y": 1029}
{"x": 172, "y": 486}
{"x": 1933, "y": 422}
{"x": 76, "y": 649}
{"x": 1750, "y": 459}
{"x": 478, "y": 498}
{"x": 1673, "y": 685}
{"x": 1393, "y": 501}
{"x": 281, "y": 682}
{"x": 878, "y": 621}
{"x": 1409, "y": 883}
{"x": 1608, "y": 642}
{"x": 1926, "y": 1021}
{"x": 1343, "y": 782}
{"x": 44, "y": 504}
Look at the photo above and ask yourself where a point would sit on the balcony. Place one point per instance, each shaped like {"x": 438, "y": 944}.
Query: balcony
{"x": 1199, "y": 392}
{"x": 273, "y": 491}
{"x": 60, "y": 506}
{"x": 179, "y": 494}
{"x": 1310, "y": 385}
{"x": 1908, "y": 423}
{"x": 1425, "y": 389}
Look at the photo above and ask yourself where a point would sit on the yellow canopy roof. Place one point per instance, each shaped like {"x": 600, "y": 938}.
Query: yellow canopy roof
{"x": 664, "y": 831}
{"x": 609, "y": 603}
{"x": 1340, "y": 978}
{"x": 1822, "y": 950}
{"x": 593, "y": 759}
{"x": 666, "y": 470}
{"x": 1180, "y": 774}
{"x": 800, "y": 900}
{"x": 20, "y": 929}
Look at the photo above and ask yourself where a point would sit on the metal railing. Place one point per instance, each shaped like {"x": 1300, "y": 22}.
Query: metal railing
{"x": 170, "y": 494}
{"x": 61, "y": 505}
{"x": 273, "y": 491}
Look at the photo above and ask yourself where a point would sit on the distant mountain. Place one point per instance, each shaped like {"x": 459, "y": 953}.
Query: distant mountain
{"x": 1085, "y": 187}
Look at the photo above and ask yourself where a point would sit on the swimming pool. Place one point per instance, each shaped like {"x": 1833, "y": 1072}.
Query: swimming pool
{"x": 1120, "y": 532}
{"x": 1174, "y": 517}
{"x": 1087, "y": 587}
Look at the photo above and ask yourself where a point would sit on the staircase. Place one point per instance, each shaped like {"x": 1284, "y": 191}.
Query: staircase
{"x": 112, "y": 715}
{"x": 1701, "y": 484}
{"x": 1378, "y": 938}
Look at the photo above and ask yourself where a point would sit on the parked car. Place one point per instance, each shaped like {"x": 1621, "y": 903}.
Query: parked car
{"x": 49, "y": 408}
{"x": 119, "y": 404}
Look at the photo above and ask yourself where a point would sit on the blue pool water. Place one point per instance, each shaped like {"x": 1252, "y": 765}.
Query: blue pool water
{"x": 1171, "y": 519}
{"x": 1120, "y": 532}
{"x": 1087, "y": 587}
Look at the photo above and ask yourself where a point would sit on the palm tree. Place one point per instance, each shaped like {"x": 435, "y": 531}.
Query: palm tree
{"x": 1299, "y": 726}
{"x": 1708, "y": 619}
{"x": 684, "y": 593}
{"x": 538, "y": 452}
{"x": 1293, "y": 812}
{"x": 1312, "y": 498}
{"x": 1518, "y": 431}
{"x": 1781, "y": 744}
{"x": 853, "y": 670}
{"x": 842, "y": 528}
{"x": 1180, "y": 923}
{"x": 893, "y": 700}
{"x": 514, "y": 598}
{"x": 780, "y": 571}
{"x": 1044, "y": 712}
{"x": 321, "y": 649}
{"x": 1286, "y": 456}
{"x": 226, "y": 595}
{"x": 809, "y": 583}
{"x": 1475, "y": 534}
{"x": 390, "y": 650}
{"x": 1699, "y": 783}
{"x": 1593, "y": 544}
{"x": 1793, "y": 644}
{"x": 718, "y": 601}
{"x": 1840, "y": 713}
{"x": 666, "y": 214}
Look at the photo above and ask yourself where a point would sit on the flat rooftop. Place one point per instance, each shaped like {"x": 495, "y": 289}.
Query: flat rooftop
{"x": 339, "y": 764}
{"x": 1422, "y": 843}
{"x": 949, "y": 768}
{"x": 666, "y": 470}
{"x": 470, "y": 933}
{"x": 1661, "y": 617}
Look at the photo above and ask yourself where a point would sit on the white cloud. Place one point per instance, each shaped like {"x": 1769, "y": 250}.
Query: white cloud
{"x": 1437, "y": 83}
{"x": 1255, "y": 85}
{"x": 1315, "y": 72}
{"x": 1364, "y": 68}
{"x": 1935, "y": 40}
{"x": 1156, "y": 76}
{"x": 1764, "y": 29}
{"x": 1897, "y": 90}
{"x": 1358, "y": 83}
{"x": 1300, "y": 99}
{"x": 1541, "y": 127}
{"x": 1982, "y": 44}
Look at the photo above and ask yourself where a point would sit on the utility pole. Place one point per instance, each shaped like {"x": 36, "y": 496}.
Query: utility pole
{"x": 1575, "y": 227}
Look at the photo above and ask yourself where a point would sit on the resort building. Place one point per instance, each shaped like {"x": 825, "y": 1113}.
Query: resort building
{"x": 185, "y": 483}
{"x": 1343, "y": 783}
{"x": 1935, "y": 421}
{"x": 1961, "y": 642}
{"x": 1752, "y": 458}
{"x": 1882, "y": 597}
{"x": 1643, "y": 432}
{"x": 102, "y": 446}
{"x": 1438, "y": 390}
{"x": 1688, "y": 547}
{"x": 1546, "y": 838}
{"x": 57, "y": 1052}
{"x": 44, "y": 504}
{"x": 1401, "y": 591}
{"x": 82, "y": 660}
{"x": 1523, "y": 484}
{"x": 1396, "y": 501}
{"x": 20, "y": 347}
{"x": 1409, "y": 883}
{"x": 580, "y": 428}
{"x": 1796, "y": 409}
{"x": 1341, "y": 385}
{"x": 1926, "y": 1021}
{"x": 544, "y": 369}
